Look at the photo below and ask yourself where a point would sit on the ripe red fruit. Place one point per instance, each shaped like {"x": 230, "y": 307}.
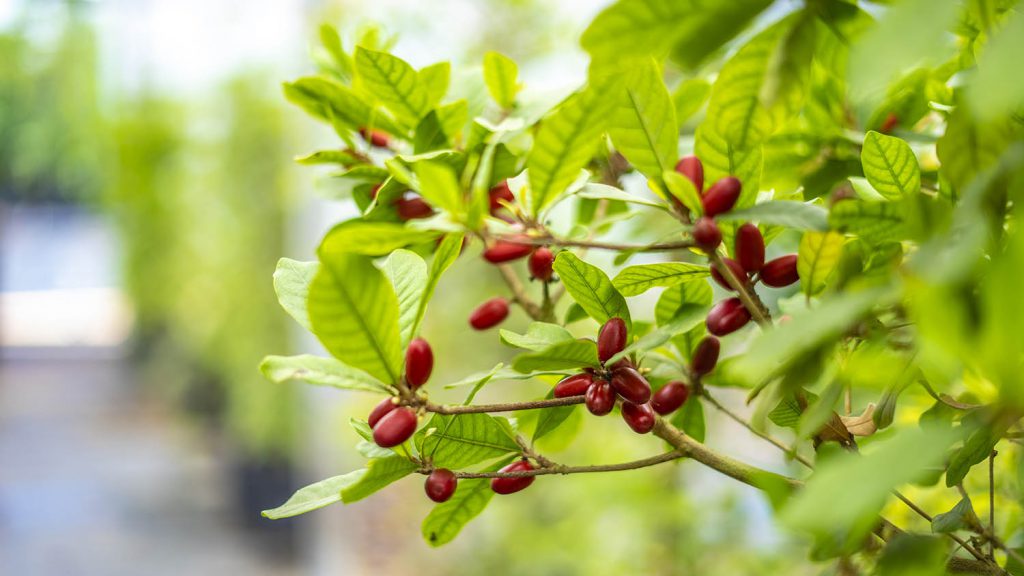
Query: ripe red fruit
{"x": 780, "y": 272}
{"x": 737, "y": 271}
{"x": 750, "y": 247}
{"x": 395, "y": 427}
{"x": 890, "y": 122}
{"x": 611, "y": 339}
{"x": 670, "y": 397}
{"x": 499, "y": 193}
{"x": 375, "y": 137}
{"x": 413, "y": 207}
{"x": 386, "y": 405}
{"x": 419, "y": 361}
{"x": 640, "y": 417}
{"x": 440, "y": 484}
{"x": 691, "y": 167}
{"x": 512, "y": 485}
{"x": 502, "y": 251}
{"x": 705, "y": 356}
{"x": 542, "y": 264}
{"x": 629, "y": 384}
{"x": 575, "y": 385}
{"x": 721, "y": 196}
{"x": 600, "y": 397}
{"x": 375, "y": 190}
{"x": 706, "y": 234}
{"x": 489, "y": 314}
{"x": 624, "y": 363}
{"x": 727, "y": 317}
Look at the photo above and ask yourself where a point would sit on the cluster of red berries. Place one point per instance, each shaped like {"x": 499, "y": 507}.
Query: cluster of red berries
{"x": 749, "y": 265}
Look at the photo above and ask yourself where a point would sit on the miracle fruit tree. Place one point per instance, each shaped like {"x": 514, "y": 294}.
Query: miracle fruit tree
{"x": 885, "y": 149}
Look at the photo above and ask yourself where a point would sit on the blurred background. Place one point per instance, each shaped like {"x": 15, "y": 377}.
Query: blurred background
{"x": 147, "y": 189}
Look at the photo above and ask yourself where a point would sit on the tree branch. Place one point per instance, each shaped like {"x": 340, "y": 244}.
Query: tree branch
{"x": 566, "y": 243}
{"x": 506, "y": 407}
{"x": 553, "y": 468}
{"x": 519, "y": 295}
{"x": 749, "y": 298}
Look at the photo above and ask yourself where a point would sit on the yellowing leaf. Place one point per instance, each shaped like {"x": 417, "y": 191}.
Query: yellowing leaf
{"x": 817, "y": 259}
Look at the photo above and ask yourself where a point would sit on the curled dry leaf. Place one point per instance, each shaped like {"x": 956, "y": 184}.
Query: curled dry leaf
{"x": 862, "y": 425}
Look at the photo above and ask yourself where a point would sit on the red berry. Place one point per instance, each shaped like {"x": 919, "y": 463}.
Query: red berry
{"x": 750, "y": 247}
{"x": 541, "y": 264}
{"x": 705, "y": 356}
{"x": 375, "y": 137}
{"x": 624, "y": 363}
{"x": 489, "y": 314}
{"x": 502, "y": 251}
{"x": 629, "y": 384}
{"x": 780, "y": 272}
{"x": 419, "y": 361}
{"x": 691, "y": 167}
{"x": 706, "y": 235}
{"x": 670, "y": 397}
{"x": 575, "y": 385}
{"x": 440, "y": 484}
{"x": 376, "y": 188}
{"x": 611, "y": 339}
{"x": 600, "y": 397}
{"x": 500, "y": 193}
{"x": 640, "y": 417}
{"x": 737, "y": 271}
{"x": 890, "y": 122}
{"x": 412, "y": 208}
{"x": 727, "y": 317}
{"x": 395, "y": 427}
{"x": 386, "y": 405}
{"x": 721, "y": 196}
{"x": 512, "y": 485}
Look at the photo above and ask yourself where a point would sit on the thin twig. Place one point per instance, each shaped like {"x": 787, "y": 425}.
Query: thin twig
{"x": 566, "y": 243}
{"x": 991, "y": 503}
{"x": 764, "y": 436}
{"x": 749, "y": 298}
{"x": 519, "y": 294}
{"x": 506, "y": 407}
{"x": 562, "y": 469}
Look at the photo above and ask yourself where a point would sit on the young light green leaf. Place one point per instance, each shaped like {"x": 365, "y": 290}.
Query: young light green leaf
{"x": 590, "y": 287}
{"x": 444, "y": 256}
{"x": 439, "y": 186}
{"x": 873, "y": 222}
{"x": 501, "y": 75}
{"x": 796, "y": 215}
{"x": 721, "y": 159}
{"x": 890, "y": 166}
{"x": 345, "y": 158}
{"x": 460, "y": 440}
{"x": 314, "y": 496}
{"x": 635, "y": 280}
{"x": 539, "y": 335}
{"x": 291, "y": 283}
{"x": 643, "y": 124}
{"x": 564, "y": 143}
{"x": 817, "y": 258}
{"x": 678, "y": 300}
{"x": 430, "y": 135}
{"x": 378, "y": 473}
{"x": 434, "y": 79}
{"x": 334, "y": 102}
{"x": 564, "y": 355}
{"x": 372, "y": 238}
{"x": 691, "y": 315}
{"x": 688, "y": 98}
{"x": 597, "y": 191}
{"x": 394, "y": 82}
{"x": 354, "y": 313}
{"x": 453, "y": 117}
{"x": 683, "y": 190}
{"x": 408, "y": 274}
{"x": 320, "y": 372}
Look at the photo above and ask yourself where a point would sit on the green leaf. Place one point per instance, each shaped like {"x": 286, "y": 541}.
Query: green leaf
{"x": 960, "y": 517}
{"x": 688, "y": 98}
{"x": 539, "y": 336}
{"x": 500, "y": 74}
{"x": 643, "y": 124}
{"x": 456, "y": 441}
{"x": 817, "y": 259}
{"x": 873, "y": 222}
{"x": 559, "y": 356}
{"x": 447, "y": 519}
{"x": 378, "y": 473}
{"x": 354, "y": 313}
{"x": 434, "y": 79}
{"x": 678, "y": 300}
{"x": 689, "y": 317}
{"x": 787, "y": 413}
{"x": 394, "y": 82}
{"x": 596, "y": 191}
{"x": 320, "y": 372}
{"x": 690, "y": 419}
{"x": 866, "y": 481}
{"x": 969, "y": 147}
{"x": 291, "y": 283}
{"x": 334, "y": 102}
{"x": 446, "y": 254}
{"x": 635, "y": 280}
{"x": 590, "y": 287}
{"x": 976, "y": 449}
{"x": 453, "y": 118}
{"x": 890, "y": 166}
{"x": 408, "y": 274}
{"x": 796, "y": 215}
{"x": 996, "y": 90}
{"x": 564, "y": 144}
{"x": 367, "y": 238}
{"x": 439, "y": 186}
{"x": 328, "y": 157}
{"x": 721, "y": 159}
{"x": 314, "y": 496}
{"x": 430, "y": 135}
{"x": 683, "y": 190}
{"x": 549, "y": 419}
